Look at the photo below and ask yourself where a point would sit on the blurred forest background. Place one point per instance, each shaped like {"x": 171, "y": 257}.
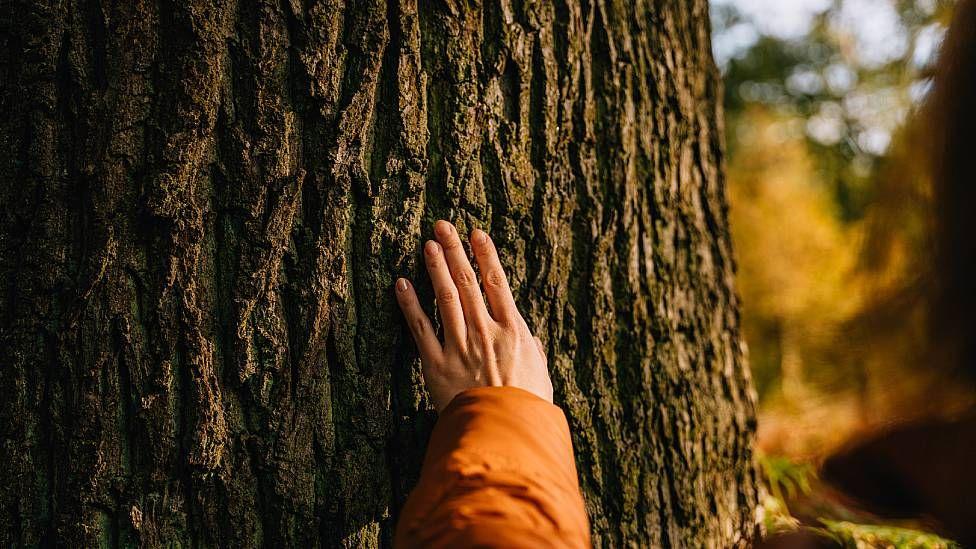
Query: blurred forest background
{"x": 831, "y": 207}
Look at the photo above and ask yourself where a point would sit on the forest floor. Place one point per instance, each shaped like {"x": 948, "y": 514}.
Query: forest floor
{"x": 797, "y": 500}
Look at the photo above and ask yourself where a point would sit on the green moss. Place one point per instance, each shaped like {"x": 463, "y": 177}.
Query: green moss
{"x": 787, "y": 478}
{"x": 871, "y": 535}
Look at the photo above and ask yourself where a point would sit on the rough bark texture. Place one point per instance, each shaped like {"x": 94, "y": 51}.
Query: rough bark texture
{"x": 205, "y": 205}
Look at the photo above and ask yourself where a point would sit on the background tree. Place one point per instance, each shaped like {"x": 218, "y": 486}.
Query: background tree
{"x": 204, "y": 208}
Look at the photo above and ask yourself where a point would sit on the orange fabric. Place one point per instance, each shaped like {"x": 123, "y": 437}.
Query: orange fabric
{"x": 499, "y": 472}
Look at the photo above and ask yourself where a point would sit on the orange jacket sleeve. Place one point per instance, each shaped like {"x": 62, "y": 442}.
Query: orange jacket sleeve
{"x": 499, "y": 472}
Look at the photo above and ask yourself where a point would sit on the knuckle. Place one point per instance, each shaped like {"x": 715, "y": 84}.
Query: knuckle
{"x": 485, "y": 250}
{"x": 495, "y": 278}
{"x": 446, "y": 297}
{"x": 452, "y": 243}
{"x": 434, "y": 262}
{"x": 421, "y": 326}
{"x": 465, "y": 278}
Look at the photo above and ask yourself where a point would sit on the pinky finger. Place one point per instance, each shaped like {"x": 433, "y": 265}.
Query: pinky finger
{"x": 420, "y": 326}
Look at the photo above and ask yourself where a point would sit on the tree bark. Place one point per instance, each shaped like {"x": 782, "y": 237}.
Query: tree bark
{"x": 205, "y": 205}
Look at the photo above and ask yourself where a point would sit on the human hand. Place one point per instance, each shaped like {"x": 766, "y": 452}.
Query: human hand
{"x": 480, "y": 349}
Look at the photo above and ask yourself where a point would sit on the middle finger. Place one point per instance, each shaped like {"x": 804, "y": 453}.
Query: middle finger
{"x": 475, "y": 311}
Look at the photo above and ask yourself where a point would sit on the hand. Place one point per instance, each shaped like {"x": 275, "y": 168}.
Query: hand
{"x": 480, "y": 349}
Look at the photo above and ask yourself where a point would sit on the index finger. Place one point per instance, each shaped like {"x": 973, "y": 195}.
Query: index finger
{"x": 420, "y": 326}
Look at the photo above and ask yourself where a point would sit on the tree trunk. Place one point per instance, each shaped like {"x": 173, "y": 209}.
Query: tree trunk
{"x": 205, "y": 205}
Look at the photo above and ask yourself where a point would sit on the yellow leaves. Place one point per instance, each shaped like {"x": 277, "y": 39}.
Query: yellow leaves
{"x": 795, "y": 254}
{"x": 797, "y": 259}
{"x": 793, "y": 250}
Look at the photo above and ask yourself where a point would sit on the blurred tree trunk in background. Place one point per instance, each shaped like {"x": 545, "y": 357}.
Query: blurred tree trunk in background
{"x": 204, "y": 208}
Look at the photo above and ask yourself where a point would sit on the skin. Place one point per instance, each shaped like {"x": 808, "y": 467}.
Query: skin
{"x": 484, "y": 346}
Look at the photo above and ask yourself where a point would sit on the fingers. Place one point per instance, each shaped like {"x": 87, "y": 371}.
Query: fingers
{"x": 446, "y": 294}
{"x": 493, "y": 276}
{"x": 420, "y": 326}
{"x": 473, "y": 304}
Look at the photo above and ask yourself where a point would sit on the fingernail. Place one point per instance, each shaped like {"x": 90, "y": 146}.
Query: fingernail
{"x": 479, "y": 236}
{"x": 432, "y": 247}
{"x": 442, "y": 228}
{"x": 401, "y": 285}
